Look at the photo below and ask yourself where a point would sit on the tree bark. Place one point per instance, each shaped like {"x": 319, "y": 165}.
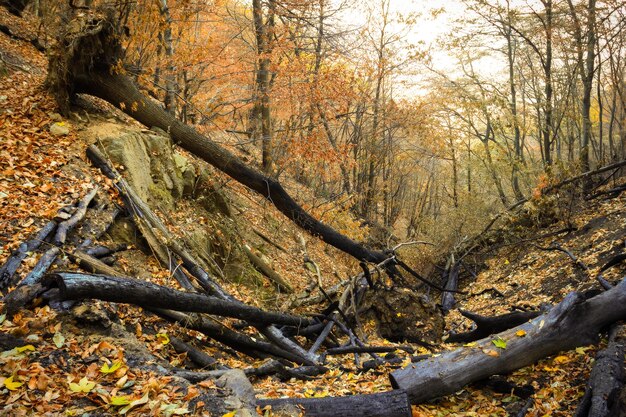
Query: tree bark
{"x": 386, "y": 404}
{"x": 75, "y": 286}
{"x": 571, "y": 323}
{"x": 606, "y": 379}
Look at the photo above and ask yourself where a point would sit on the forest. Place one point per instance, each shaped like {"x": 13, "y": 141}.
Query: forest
{"x": 312, "y": 207}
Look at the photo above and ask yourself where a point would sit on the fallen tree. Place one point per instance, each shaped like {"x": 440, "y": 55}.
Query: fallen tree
{"x": 574, "y": 322}
{"x": 85, "y": 61}
{"x": 78, "y": 286}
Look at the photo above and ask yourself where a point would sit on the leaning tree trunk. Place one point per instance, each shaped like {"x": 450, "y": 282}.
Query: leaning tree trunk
{"x": 85, "y": 63}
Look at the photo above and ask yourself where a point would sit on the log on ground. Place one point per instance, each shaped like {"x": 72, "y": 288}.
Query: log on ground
{"x": 386, "y": 404}
{"x": 76, "y": 286}
{"x": 572, "y": 323}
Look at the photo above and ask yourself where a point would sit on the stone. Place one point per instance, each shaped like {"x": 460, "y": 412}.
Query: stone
{"x": 59, "y": 129}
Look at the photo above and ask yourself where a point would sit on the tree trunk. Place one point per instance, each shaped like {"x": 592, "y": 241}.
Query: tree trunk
{"x": 571, "y": 323}
{"x": 171, "y": 87}
{"x": 121, "y": 92}
{"x": 386, "y": 404}
{"x": 75, "y": 286}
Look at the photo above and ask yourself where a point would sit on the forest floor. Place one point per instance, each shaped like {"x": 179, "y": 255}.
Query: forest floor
{"x": 62, "y": 354}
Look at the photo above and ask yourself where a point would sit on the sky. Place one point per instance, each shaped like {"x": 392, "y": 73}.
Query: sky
{"x": 426, "y": 31}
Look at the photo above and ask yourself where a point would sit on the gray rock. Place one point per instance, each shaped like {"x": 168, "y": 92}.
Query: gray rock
{"x": 58, "y": 129}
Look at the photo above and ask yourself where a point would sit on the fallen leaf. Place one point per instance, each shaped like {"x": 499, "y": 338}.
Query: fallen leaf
{"x": 142, "y": 400}
{"x": 520, "y": 333}
{"x": 121, "y": 400}
{"x": 25, "y": 348}
{"x": 499, "y": 343}
{"x": 58, "y": 339}
{"x": 163, "y": 337}
{"x": 106, "y": 369}
{"x": 12, "y": 385}
{"x": 84, "y": 385}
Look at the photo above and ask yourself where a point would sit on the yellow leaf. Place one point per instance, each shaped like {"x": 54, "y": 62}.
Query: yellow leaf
{"x": 582, "y": 350}
{"x": 106, "y": 369}
{"x": 230, "y": 414}
{"x": 142, "y": 400}
{"x": 121, "y": 400}
{"x": 165, "y": 339}
{"x": 12, "y": 385}
{"x": 25, "y": 348}
{"x": 561, "y": 359}
{"x": 470, "y": 344}
{"x": 520, "y": 333}
{"x": 84, "y": 385}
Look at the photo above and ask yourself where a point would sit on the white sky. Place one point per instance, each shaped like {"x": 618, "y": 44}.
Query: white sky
{"x": 426, "y": 31}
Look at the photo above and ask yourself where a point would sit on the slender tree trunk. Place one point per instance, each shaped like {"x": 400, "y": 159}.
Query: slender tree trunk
{"x": 517, "y": 135}
{"x": 264, "y": 31}
{"x": 587, "y": 79}
{"x": 547, "y": 67}
{"x": 171, "y": 87}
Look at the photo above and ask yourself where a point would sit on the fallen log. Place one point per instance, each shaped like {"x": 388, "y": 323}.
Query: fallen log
{"x": 86, "y": 68}
{"x": 40, "y": 269}
{"x": 77, "y": 286}
{"x": 606, "y": 379}
{"x": 386, "y": 404}
{"x": 574, "y": 322}
{"x": 486, "y": 326}
{"x": 196, "y": 355}
{"x": 237, "y": 341}
{"x": 15, "y": 260}
{"x": 66, "y": 226}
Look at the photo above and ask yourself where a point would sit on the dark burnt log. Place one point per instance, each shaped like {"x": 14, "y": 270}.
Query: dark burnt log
{"x": 40, "y": 269}
{"x": 66, "y": 226}
{"x": 501, "y": 385}
{"x": 372, "y": 364}
{"x": 386, "y": 404}
{"x": 194, "y": 354}
{"x": 19, "y": 297}
{"x": 16, "y": 7}
{"x": 89, "y": 68}
{"x": 574, "y": 322}
{"x": 342, "y": 350}
{"x": 101, "y": 251}
{"x": 76, "y": 286}
{"x": 601, "y": 397}
{"x": 15, "y": 260}
{"x": 228, "y": 337}
{"x": 272, "y": 367}
{"x": 275, "y": 336}
{"x": 486, "y": 326}
{"x": 322, "y": 336}
{"x": 452, "y": 283}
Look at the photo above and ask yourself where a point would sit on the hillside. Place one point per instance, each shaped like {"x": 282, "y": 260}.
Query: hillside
{"x": 102, "y": 358}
